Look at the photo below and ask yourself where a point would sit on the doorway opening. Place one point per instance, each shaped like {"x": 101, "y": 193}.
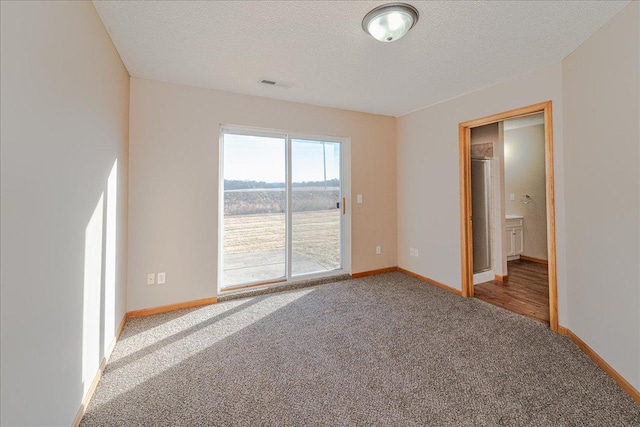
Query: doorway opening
{"x": 283, "y": 216}
{"x": 493, "y": 237}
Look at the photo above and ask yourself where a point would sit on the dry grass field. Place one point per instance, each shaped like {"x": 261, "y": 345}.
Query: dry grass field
{"x": 316, "y": 234}
{"x": 262, "y": 201}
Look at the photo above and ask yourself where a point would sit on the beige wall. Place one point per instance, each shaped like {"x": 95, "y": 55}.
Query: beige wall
{"x": 602, "y": 142}
{"x": 173, "y": 210}
{"x": 595, "y": 95}
{"x": 64, "y": 112}
{"x": 65, "y": 121}
{"x": 428, "y": 181}
{"x": 525, "y": 174}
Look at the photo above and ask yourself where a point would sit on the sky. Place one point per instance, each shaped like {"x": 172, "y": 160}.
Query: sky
{"x": 252, "y": 158}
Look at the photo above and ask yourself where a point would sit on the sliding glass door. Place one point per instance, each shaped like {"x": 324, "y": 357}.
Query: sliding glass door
{"x": 283, "y": 207}
{"x": 254, "y": 209}
{"x": 315, "y": 206}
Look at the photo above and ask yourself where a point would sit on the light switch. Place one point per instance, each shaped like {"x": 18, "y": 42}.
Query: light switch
{"x": 359, "y": 198}
{"x": 512, "y": 196}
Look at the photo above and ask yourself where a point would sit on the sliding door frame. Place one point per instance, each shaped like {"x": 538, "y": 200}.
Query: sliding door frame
{"x": 345, "y": 220}
{"x": 466, "y": 242}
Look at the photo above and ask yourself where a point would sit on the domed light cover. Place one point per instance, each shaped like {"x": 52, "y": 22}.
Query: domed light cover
{"x": 390, "y": 22}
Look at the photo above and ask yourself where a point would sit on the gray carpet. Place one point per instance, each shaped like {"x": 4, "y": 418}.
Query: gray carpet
{"x": 382, "y": 350}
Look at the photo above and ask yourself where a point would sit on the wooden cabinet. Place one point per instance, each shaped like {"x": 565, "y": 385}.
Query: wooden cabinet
{"x": 515, "y": 238}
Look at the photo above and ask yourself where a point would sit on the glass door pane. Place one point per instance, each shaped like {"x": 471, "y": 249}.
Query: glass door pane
{"x": 316, "y": 211}
{"x": 255, "y": 203}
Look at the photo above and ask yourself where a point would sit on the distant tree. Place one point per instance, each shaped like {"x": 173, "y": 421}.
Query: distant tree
{"x": 247, "y": 185}
{"x": 232, "y": 184}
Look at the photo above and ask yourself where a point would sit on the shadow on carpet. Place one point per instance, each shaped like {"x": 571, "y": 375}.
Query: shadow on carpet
{"x": 382, "y": 350}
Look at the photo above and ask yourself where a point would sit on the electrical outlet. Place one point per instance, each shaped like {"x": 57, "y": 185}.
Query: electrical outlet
{"x": 416, "y": 253}
{"x": 151, "y": 279}
{"x": 161, "y": 278}
{"x": 413, "y": 252}
{"x": 378, "y": 250}
{"x": 359, "y": 198}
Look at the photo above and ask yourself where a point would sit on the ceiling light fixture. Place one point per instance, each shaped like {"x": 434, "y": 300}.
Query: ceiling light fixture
{"x": 390, "y": 22}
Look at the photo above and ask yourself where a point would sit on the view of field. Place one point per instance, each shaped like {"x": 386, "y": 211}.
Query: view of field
{"x": 273, "y": 200}
{"x": 254, "y": 243}
{"x": 316, "y": 234}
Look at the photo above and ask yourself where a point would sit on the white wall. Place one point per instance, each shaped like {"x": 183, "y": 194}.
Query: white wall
{"x": 602, "y": 147}
{"x": 524, "y": 173}
{"x": 428, "y": 181}
{"x": 64, "y": 113}
{"x": 173, "y": 209}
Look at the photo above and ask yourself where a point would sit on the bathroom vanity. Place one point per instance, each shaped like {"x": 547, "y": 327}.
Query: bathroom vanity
{"x": 515, "y": 236}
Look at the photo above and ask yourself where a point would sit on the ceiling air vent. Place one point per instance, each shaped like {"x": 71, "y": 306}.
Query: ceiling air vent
{"x": 274, "y": 83}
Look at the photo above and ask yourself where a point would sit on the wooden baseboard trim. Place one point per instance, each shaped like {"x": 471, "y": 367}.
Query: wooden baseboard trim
{"x": 430, "y": 281}
{"x": 89, "y": 395}
{"x": 171, "y": 307}
{"x": 374, "y": 272}
{"x": 504, "y": 278}
{"x": 533, "y": 259}
{"x": 624, "y": 384}
{"x": 563, "y": 331}
{"x": 96, "y": 378}
{"x": 135, "y": 313}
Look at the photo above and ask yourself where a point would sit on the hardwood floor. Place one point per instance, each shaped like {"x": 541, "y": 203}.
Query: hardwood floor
{"x": 526, "y": 292}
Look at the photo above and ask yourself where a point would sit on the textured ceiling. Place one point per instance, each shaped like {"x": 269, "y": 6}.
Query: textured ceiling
{"x": 319, "y": 47}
